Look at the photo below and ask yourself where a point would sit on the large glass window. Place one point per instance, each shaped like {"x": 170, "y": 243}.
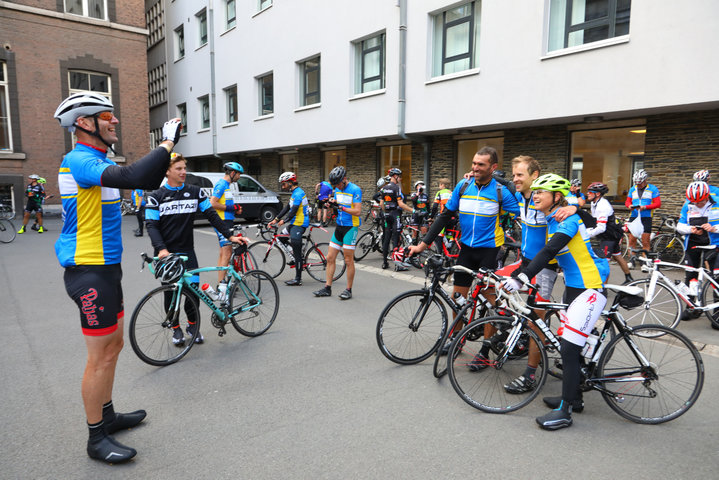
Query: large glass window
{"x": 179, "y": 42}
{"x": 332, "y": 159}
{"x": 204, "y": 105}
{"x": 262, "y": 4}
{"x": 230, "y": 14}
{"x": 578, "y": 22}
{"x": 290, "y": 162}
{"x": 466, "y": 149}
{"x": 310, "y": 82}
{"x": 231, "y": 103}
{"x": 266, "y": 89}
{"x": 398, "y": 156}
{"x": 202, "y": 27}
{"x": 610, "y": 156}
{"x": 182, "y": 113}
{"x": 370, "y": 64}
{"x": 456, "y": 39}
{"x": 5, "y": 132}
{"x": 87, "y": 8}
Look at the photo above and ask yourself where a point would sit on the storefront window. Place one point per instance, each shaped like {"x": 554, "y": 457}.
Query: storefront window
{"x": 335, "y": 158}
{"x": 398, "y": 156}
{"x": 466, "y": 149}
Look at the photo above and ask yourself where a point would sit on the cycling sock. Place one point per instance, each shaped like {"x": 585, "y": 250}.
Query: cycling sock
{"x": 108, "y": 412}
{"x": 530, "y": 372}
{"x": 484, "y": 351}
{"x": 97, "y": 431}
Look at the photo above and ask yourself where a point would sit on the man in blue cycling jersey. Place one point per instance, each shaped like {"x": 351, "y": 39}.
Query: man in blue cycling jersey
{"x": 296, "y": 215}
{"x": 225, "y": 206}
{"x": 643, "y": 198}
{"x": 90, "y": 250}
{"x": 139, "y": 202}
{"x": 323, "y": 190}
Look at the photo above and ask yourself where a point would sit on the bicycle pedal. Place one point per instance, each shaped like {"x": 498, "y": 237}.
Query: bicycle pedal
{"x": 221, "y": 332}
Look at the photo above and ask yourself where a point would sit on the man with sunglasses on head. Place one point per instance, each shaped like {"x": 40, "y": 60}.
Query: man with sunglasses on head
{"x": 90, "y": 250}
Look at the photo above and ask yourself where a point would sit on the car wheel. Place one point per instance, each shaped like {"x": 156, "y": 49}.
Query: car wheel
{"x": 267, "y": 214}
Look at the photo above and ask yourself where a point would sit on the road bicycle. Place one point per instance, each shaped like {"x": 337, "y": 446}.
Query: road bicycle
{"x": 647, "y": 374}
{"x": 273, "y": 255}
{"x": 126, "y": 207}
{"x": 251, "y": 305}
{"x": 241, "y": 259}
{"x": 663, "y": 298}
{"x": 370, "y": 241}
{"x": 669, "y": 246}
{"x": 371, "y": 217}
{"x": 7, "y": 228}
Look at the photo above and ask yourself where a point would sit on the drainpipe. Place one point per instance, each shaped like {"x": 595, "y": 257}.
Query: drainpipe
{"x": 213, "y": 100}
{"x": 402, "y": 92}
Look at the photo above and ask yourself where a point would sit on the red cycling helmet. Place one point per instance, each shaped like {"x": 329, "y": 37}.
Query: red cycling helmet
{"x": 697, "y": 192}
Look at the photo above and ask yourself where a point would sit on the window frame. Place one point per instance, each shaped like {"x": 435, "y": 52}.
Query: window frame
{"x": 261, "y": 86}
{"x": 179, "y": 38}
{"x": 5, "y": 82}
{"x": 610, "y": 21}
{"x": 181, "y": 110}
{"x": 85, "y": 9}
{"x": 230, "y": 93}
{"x": 229, "y": 19}
{"x": 106, "y": 93}
{"x": 268, "y": 4}
{"x": 204, "y": 104}
{"x": 441, "y": 27}
{"x": 304, "y": 73}
{"x": 361, "y": 54}
{"x": 202, "y": 28}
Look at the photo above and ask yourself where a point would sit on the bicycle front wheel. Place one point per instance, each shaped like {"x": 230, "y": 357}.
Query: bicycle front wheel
{"x": 710, "y": 295}
{"x": 661, "y": 307}
{"x": 669, "y": 247}
{"x": 270, "y": 258}
{"x": 411, "y": 327}
{"x": 7, "y": 231}
{"x": 662, "y": 390}
{"x": 156, "y": 318}
{"x": 316, "y": 262}
{"x": 364, "y": 246}
{"x": 482, "y": 366}
{"x": 254, "y": 302}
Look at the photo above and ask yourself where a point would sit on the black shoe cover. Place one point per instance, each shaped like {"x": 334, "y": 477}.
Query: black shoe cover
{"x": 125, "y": 420}
{"x": 110, "y": 450}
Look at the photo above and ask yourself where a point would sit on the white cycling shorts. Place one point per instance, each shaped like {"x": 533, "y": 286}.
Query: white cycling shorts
{"x": 580, "y": 317}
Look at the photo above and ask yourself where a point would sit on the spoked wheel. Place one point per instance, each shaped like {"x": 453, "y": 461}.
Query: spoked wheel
{"x": 7, "y": 231}
{"x": 481, "y": 370}
{"x": 664, "y": 390}
{"x": 153, "y": 324}
{"x": 364, "y": 246}
{"x": 270, "y": 258}
{"x": 710, "y": 295}
{"x": 669, "y": 247}
{"x": 316, "y": 262}
{"x": 254, "y": 303}
{"x": 410, "y": 327}
{"x": 660, "y": 308}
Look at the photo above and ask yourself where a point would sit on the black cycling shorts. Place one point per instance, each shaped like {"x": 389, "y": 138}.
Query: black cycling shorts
{"x": 33, "y": 206}
{"x": 609, "y": 247}
{"x": 97, "y": 291}
{"x": 474, "y": 258}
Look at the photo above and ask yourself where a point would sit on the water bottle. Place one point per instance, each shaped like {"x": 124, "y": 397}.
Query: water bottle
{"x": 588, "y": 350}
{"x": 209, "y": 291}
{"x": 459, "y": 300}
{"x": 222, "y": 291}
{"x": 682, "y": 288}
{"x": 694, "y": 287}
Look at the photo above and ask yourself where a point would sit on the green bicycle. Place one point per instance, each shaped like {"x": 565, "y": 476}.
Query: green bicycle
{"x": 251, "y": 303}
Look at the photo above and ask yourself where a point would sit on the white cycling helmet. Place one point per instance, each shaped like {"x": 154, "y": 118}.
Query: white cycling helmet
{"x": 34, "y": 177}
{"x": 701, "y": 176}
{"x": 288, "y": 177}
{"x": 381, "y": 182}
{"x": 418, "y": 182}
{"x": 84, "y": 104}
{"x": 640, "y": 176}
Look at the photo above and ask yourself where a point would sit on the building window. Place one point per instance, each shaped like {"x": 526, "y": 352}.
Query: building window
{"x": 230, "y": 15}
{"x": 398, "y": 156}
{"x": 179, "y": 42}
{"x": 87, "y": 8}
{"x": 310, "y": 82}
{"x": 466, "y": 149}
{"x": 370, "y": 64}
{"x": 290, "y": 162}
{"x": 155, "y": 24}
{"x": 231, "y": 103}
{"x": 262, "y": 4}
{"x": 610, "y": 156}
{"x": 334, "y": 158}
{"x": 204, "y": 104}
{"x": 578, "y": 22}
{"x": 157, "y": 85}
{"x": 266, "y": 89}
{"x": 81, "y": 81}
{"x": 182, "y": 113}
{"x": 456, "y": 39}
{"x": 202, "y": 27}
{"x": 5, "y": 131}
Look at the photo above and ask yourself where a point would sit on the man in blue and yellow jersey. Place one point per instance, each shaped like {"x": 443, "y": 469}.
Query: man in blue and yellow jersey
{"x": 348, "y": 198}
{"x": 90, "y": 249}
{"x": 643, "y": 198}
{"x": 138, "y": 200}
{"x": 296, "y": 215}
{"x": 226, "y": 208}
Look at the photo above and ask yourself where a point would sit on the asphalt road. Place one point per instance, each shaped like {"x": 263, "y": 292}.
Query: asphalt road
{"x": 312, "y": 398}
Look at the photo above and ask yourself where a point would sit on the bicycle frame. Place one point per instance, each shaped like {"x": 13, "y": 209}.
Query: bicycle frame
{"x": 657, "y": 275}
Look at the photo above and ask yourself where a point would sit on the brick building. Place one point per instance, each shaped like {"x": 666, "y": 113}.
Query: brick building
{"x": 52, "y": 48}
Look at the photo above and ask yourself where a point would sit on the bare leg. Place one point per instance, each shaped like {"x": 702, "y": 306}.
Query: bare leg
{"x": 97, "y": 382}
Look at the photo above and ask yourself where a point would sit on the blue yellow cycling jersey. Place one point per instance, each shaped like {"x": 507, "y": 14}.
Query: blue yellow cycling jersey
{"x": 582, "y": 268}
{"x": 224, "y": 195}
{"x": 534, "y": 227}
{"x": 693, "y": 215}
{"x": 648, "y": 197}
{"x": 138, "y": 197}
{"x": 91, "y": 232}
{"x": 325, "y": 191}
{"x": 351, "y": 194}
{"x": 302, "y": 217}
{"x": 479, "y": 212}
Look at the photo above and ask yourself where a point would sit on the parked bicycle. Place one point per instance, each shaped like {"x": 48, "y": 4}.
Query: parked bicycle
{"x": 7, "y": 228}
{"x": 647, "y": 374}
{"x": 126, "y": 207}
{"x": 669, "y": 245}
{"x": 273, "y": 255}
{"x": 250, "y": 304}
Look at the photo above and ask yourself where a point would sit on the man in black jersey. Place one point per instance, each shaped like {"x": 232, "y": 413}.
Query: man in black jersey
{"x": 169, "y": 217}
{"x": 391, "y": 204}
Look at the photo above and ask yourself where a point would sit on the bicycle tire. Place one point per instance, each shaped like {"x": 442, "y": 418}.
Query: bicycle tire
{"x": 670, "y": 247}
{"x": 710, "y": 295}
{"x": 624, "y": 245}
{"x": 262, "y": 301}
{"x": 7, "y": 231}
{"x": 401, "y": 341}
{"x": 150, "y": 328}
{"x": 270, "y": 258}
{"x": 480, "y": 311}
{"x": 364, "y": 245}
{"x": 485, "y": 389}
{"x": 316, "y": 262}
{"x": 554, "y": 356}
{"x": 674, "y": 361}
{"x": 663, "y": 308}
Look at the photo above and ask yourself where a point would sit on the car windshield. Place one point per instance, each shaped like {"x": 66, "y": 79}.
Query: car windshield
{"x": 246, "y": 184}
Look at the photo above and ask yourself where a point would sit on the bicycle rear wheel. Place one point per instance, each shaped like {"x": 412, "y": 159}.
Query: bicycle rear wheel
{"x": 669, "y": 246}
{"x": 254, "y": 303}
{"x": 661, "y": 308}
{"x": 480, "y": 368}
{"x": 270, "y": 258}
{"x": 151, "y": 325}
{"x": 662, "y": 391}
{"x": 364, "y": 246}
{"x": 7, "y": 231}
{"x": 316, "y": 262}
{"x": 410, "y": 327}
{"x": 710, "y": 295}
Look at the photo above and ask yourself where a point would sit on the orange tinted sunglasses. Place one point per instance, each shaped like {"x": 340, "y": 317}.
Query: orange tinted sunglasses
{"x": 107, "y": 116}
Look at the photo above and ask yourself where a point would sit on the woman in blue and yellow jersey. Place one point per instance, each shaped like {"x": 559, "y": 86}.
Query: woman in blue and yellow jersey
{"x": 296, "y": 215}
{"x": 584, "y": 276}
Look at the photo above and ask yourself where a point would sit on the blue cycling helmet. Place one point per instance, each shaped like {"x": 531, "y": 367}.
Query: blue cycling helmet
{"x": 234, "y": 166}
